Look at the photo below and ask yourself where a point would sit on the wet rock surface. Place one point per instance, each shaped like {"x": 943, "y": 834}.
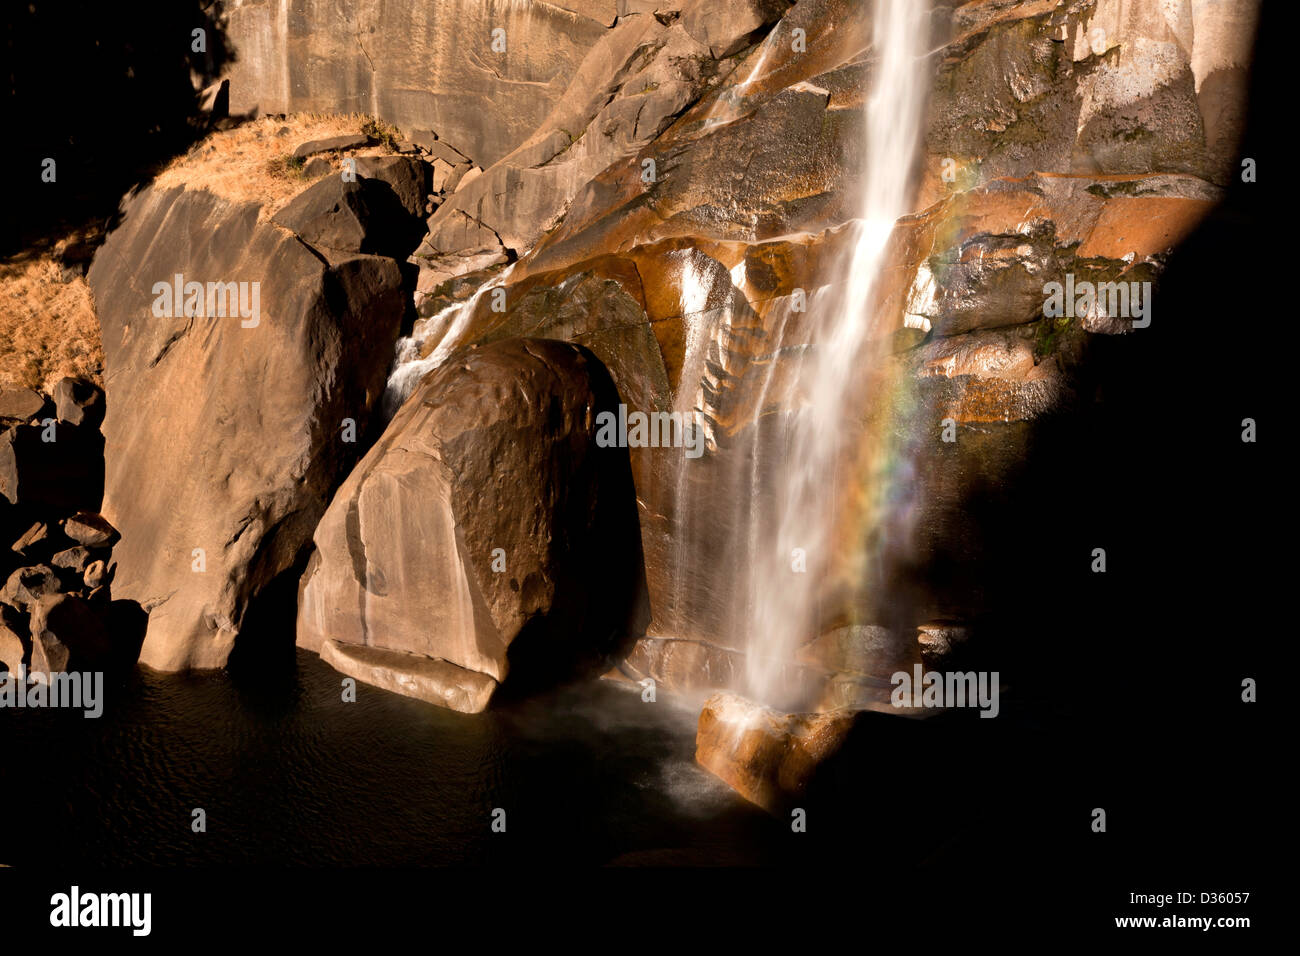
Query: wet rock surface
{"x": 685, "y": 285}
{"x": 675, "y": 195}
{"x": 412, "y": 675}
{"x": 767, "y": 757}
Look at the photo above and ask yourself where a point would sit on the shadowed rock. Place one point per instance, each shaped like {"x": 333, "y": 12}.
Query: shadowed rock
{"x": 407, "y": 176}
{"x": 55, "y": 466}
{"x": 364, "y": 216}
{"x": 68, "y": 634}
{"x": 79, "y": 403}
{"x": 26, "y": 586}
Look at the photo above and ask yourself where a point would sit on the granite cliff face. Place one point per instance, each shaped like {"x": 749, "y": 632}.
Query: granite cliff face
{"x": 423, "y": 65}
{"x": 667, "y": 187}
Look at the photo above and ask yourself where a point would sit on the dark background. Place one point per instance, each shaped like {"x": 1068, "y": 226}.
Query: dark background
{"x": 106, "y": 91}
{"x": 1129, "y": 683}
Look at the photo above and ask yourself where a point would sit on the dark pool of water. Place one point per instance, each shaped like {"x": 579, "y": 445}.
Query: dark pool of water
{"x": 289, "y": 773}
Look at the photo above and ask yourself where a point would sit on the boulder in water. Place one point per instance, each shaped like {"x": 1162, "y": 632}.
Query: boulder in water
{"x": 485, "y": 530}
{"x": 412, "y": 675}
{"x": 769, "y": 758}
{"x": 68, "y": 634}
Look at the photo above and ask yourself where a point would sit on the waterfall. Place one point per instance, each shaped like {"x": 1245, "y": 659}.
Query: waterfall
{"x": 438, "y": 336}
{"x": 780, "y": 611}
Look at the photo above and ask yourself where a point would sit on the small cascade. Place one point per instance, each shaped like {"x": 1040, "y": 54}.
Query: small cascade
{"x": 445, "y": 331}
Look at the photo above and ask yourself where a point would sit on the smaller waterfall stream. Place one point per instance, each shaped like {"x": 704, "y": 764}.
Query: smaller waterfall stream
{"x": 447, "y": 329}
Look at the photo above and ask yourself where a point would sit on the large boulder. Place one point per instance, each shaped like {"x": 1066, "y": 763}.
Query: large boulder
{"x": 412, "y": 675}
{"x": 26, "y": 586}
{"x": 226, "y": 435}
{"x": 364, "y": 215}
{"x": 407, "y": 176}
{"x": 485, "y": 529}
{"x": 20, "y": 404}
{"x": 79, "y": 402}
{"x": 90, "y": 529}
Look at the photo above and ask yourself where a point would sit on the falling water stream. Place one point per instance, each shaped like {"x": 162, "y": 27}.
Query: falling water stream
{"x": 780, "y": 605}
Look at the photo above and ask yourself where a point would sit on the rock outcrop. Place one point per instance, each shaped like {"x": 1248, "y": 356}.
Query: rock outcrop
{"x": 671, "y": 187}
{"x": 630, "y": 87}
{"x": 229, "y": 423}
{"x": 485, "y": 534}
{"x": 364, "y": 216}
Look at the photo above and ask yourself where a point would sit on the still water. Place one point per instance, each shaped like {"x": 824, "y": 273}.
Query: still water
{"x": 288, "y": 773}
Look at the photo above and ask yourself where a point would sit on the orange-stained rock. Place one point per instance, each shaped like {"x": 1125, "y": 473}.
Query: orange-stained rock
{"x": 1137, "y": 227}
{"x": 700, "y": 288}
{"x": 769, "y": 758}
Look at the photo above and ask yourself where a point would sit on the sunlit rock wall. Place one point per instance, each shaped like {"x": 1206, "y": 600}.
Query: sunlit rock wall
{"x": 424, "y": 64}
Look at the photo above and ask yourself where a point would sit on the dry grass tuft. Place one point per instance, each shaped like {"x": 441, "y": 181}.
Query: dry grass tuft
{"x": 48, "y": 327}
{"x": 254, "y": 161}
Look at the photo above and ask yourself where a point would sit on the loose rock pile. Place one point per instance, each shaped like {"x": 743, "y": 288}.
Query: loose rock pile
{"x": 55, "y": 602}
